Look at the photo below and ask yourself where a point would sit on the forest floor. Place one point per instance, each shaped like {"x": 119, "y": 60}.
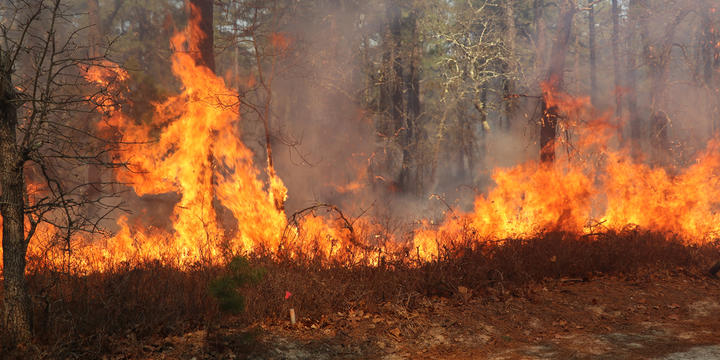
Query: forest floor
{"x": 673, "y": 314}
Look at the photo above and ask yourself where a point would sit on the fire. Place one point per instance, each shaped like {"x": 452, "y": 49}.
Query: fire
{"x": 226, "y": 205}
{"x": 594, "y": 185}
{"x": 199, "y": 156}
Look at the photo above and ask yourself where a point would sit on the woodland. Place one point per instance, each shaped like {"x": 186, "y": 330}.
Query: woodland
{"x": 285, "y": 178}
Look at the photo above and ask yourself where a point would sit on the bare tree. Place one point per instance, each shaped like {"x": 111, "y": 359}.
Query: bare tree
{"x": 44, "y": 99}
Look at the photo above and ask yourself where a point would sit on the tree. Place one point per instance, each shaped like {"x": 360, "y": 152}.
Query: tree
{"x": 42, "y": 142}
{"x": 472, "y": 75}
{"x": 203, "y": 32}
{"x": 554, "y": 82}
{"x": 617, "y": 72}
{"x": 593, "y": 56}
{"x": 709, "y": 59}
{"x": 636, "y": 18}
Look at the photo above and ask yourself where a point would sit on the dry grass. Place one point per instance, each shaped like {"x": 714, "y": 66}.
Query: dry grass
{"x": 83, "y": 316}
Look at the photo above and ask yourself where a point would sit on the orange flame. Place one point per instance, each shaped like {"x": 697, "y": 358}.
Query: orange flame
{"x": 197, "y": 155}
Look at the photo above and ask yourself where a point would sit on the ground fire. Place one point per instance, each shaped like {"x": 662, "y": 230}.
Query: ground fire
{"x": 199, "y": 156}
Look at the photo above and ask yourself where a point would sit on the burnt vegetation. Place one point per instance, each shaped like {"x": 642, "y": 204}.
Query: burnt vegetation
{"x": 118, "y": 310}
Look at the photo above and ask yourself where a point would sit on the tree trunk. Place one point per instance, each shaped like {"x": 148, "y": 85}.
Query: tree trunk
{"x": 508, "y": 81}
{"x": 658, "y": 57}
{"x": 204, "y": 37}
{"x": 409, "y": 179}
{"x": 616, "y": 70}
{"x": 94, "y": 172}
{"x": 392, "y": 98}
{"x": 634, "y": 117}
{"x": 540, "y": 35}
{"x": 16, "y": 316}
{"x": 709, "y": 63}
{"x": 554, "y": 83}
{"x": 593, "y": 56}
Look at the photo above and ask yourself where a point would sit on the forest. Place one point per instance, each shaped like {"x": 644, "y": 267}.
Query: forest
{"x": 287, "y": 179}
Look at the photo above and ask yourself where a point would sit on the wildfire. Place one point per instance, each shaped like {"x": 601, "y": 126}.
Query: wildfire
{"x": 594, "y": 186}
{"x": 197, "y": 155}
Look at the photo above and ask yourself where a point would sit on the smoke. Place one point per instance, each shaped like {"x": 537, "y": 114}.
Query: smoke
{"x": 323, "y": 121}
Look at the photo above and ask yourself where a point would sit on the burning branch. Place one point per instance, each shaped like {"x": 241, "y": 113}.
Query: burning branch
{"x": 295, "y": 222}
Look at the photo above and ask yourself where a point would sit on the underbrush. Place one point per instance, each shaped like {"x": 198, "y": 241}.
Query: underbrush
{"x": 84, "y": 316}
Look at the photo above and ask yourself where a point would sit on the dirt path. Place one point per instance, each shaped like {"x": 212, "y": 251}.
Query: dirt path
{"x": 672, "y": 315}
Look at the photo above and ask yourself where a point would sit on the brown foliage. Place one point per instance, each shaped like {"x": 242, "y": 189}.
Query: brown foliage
{"x": 87, "y": 315}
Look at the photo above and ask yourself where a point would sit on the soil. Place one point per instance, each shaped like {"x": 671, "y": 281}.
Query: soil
{"x": 671, "y": 315}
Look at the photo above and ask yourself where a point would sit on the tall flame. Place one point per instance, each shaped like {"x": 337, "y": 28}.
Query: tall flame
{"x": 198, "y": 155}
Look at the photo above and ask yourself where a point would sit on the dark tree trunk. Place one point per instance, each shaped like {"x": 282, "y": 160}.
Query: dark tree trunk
{"x": 95, "y": 31}
{"x": 593, "y": 56}
{"x": 615, "y": 13}
{"x": 410, "y": 175}
{"x": 94, "y": 172}
{"x": 554, "y": 83}
{"x": 709, "y": 63}
{"x": 400, "y": 93}
{"x": 16, "y": 317}
{"x": 204, "y": 39}
{"x": 634, "y": 117}
{"x": 508, "y": 81}
{"x": 540, "y": 35}
{"x": 390, "y": 104}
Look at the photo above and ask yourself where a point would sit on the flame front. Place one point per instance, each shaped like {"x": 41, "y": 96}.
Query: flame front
{"x": 222, "y": 205}
{"x": 596, "y": 187}
{"x": 199, "y": 156}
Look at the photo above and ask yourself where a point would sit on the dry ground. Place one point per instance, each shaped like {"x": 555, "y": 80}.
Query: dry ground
{"x": 650, "y": 315}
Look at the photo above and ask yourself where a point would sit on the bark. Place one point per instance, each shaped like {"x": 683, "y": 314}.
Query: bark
{"x": 631, "y": 75}
{"x": 709, "y": 63}
{"x": 466, "y": 153}
{"x": 554, "y": 84}
{"x": 94, "y": 172}
{"x": 409, "y": 176}
{"x": 508, "y": 81}
{"x": 540, "y": 35}
{"x": 615, "y": 13}
{"x": 400, "y": 93}
{"x": 16, "y": 315}
{"x": 204, "y": 38}
{"x": 95, "y": 32}
{"x": 593, "y": 56}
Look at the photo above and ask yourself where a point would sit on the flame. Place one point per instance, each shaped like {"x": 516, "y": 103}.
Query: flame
{"x": 596, "y": 185}
{"x": 280, "y": 41}
{"x": 199, "y": 156}
{"x": 225, "y": 205}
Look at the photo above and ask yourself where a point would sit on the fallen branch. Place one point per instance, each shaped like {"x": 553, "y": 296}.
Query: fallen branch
{"x": 347, "y": 224}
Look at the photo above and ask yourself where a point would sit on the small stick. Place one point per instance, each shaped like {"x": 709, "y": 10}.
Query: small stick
{"x": 292, "y": 316}
{"x": 714, "y": 270}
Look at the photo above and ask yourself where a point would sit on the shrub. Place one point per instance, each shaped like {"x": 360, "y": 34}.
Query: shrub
{"x": 226, "y": 288}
